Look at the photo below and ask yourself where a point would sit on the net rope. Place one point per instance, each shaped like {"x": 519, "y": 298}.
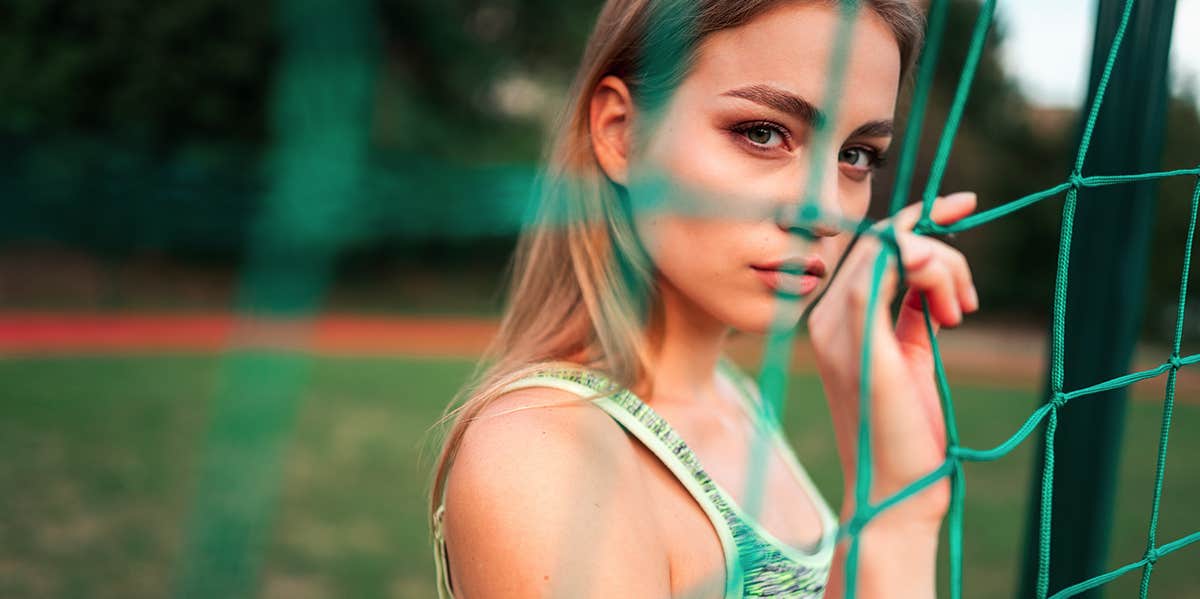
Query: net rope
{"x": 773, "y": 374}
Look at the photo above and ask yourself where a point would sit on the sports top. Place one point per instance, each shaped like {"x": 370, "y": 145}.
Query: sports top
{"x": 757, "y": 564}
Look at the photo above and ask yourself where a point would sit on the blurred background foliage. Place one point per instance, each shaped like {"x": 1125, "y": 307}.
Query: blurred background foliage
{"x": 135, "y": 135}
{"x": 136, "y": 142}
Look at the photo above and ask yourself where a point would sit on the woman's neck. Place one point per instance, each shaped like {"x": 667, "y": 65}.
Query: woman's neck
{"x": 685, "y": 345}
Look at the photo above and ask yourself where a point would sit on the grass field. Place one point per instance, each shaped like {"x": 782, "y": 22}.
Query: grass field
{"x": 101, "y": 459}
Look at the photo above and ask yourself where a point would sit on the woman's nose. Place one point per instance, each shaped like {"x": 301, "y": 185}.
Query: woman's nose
{"x": 819, "y": 216}
{"x": 810, "y": 220}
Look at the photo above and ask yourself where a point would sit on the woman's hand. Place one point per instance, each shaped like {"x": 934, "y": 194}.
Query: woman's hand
{"x": 908, "y": 436}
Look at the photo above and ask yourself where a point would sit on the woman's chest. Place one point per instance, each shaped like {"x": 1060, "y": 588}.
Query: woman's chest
{"x": 690, "y": 536}
{"x": 750, "y": 466}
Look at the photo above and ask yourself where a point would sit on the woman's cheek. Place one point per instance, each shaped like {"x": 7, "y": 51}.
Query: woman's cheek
{"x": 648, "y": 234}
{"x": 699, "y": 258}
{"x": 669, "y": 241}
{"x": 856, "y": 201}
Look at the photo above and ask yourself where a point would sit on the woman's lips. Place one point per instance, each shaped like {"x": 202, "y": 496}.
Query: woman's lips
{"x": 787, "y": 283}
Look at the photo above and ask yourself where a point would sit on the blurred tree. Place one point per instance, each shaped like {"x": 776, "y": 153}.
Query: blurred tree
{"x": 477, "y": 80}
{"x": 150, "y": 71}
{"x": 132, "y": 124}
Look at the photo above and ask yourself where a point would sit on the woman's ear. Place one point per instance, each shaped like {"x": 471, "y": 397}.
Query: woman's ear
{"x": 611, "y": 126}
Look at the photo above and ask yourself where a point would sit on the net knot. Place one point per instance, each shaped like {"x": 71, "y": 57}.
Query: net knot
{"x": 887, "y": 236}
{"x": 1152, "y": 555}
{"x": 1059, "y": 400}
{"x": 1076, "y": 180}
{"x": 1175, "y": 362}
{"x": 857, "y": 523}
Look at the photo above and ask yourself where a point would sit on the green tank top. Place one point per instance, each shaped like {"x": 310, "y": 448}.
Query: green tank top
{"x": 757, "y": 564}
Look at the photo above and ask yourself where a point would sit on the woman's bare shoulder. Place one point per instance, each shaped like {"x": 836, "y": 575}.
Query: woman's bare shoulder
{"x": 510, "y": 427}
{"x": 545, "y": 498}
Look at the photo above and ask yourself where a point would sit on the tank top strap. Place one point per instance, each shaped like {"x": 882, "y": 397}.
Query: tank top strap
{"x": 634, "y": 415}
{"x": 441, "y": 560}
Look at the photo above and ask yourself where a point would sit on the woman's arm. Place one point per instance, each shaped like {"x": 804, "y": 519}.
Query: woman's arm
{"x": 893, "y": 561}
{"x": 546, "y": 502}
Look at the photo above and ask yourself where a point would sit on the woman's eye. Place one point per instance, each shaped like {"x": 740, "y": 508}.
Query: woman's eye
{"x": 763, "y": 136}
{"x": 858, "y": 157}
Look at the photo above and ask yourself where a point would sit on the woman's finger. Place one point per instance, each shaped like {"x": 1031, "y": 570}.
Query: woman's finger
{"x": 964, "y": 285}
{"x": 945, "y": 211}
{"x": 937, "y": 284}
{"x": 915, "y": 251}
{"x": 931, "y": 269}
{"x": 921, "y": 250}
{"x": 862, "y": 281}
{"x": 910, "y": 322}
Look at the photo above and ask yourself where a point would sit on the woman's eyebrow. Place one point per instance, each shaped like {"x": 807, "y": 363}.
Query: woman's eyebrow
{"x": 778, "y": 99}
{"x": 879, "y": 128}
{"x": 789, "y": 103}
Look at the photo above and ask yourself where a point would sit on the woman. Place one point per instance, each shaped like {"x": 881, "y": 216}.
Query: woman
{"x": 604, "y": 451}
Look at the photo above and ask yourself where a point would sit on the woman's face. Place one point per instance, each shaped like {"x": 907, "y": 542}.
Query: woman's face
{"x": 735, "y": 147}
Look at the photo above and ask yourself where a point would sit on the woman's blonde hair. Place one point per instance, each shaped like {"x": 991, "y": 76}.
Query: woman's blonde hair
{"x": 581, "y": 288}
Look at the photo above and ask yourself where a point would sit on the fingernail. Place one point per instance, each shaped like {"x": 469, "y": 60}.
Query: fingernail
{"x": 974, "y": 296}
{"x": 960, "y": 196}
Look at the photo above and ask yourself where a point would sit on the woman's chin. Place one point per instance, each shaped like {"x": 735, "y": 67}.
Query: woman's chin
{"x": 773, "y": 315}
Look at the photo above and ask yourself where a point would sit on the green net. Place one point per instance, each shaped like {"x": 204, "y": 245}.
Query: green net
{"x": 773, "y": 375}
{"x": 318, "y": 159}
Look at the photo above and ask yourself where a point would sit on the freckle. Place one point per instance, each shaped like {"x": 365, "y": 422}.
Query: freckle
{"x": 546, "y": 577}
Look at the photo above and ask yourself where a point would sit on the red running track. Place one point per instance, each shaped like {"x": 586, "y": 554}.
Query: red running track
{"x": 1003, "y": 357}
{"x": 40, "y": 333}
